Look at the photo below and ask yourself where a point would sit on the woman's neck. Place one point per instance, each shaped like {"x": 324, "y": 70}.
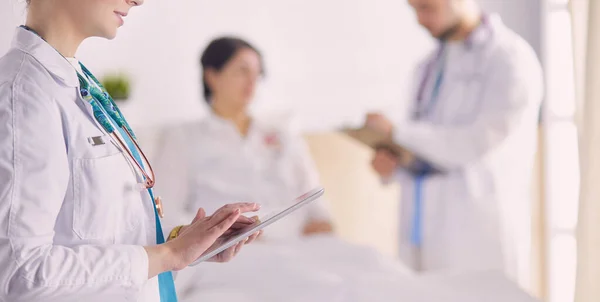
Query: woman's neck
{"x": 238, "y": 117}
{"x": 55, "y": 28}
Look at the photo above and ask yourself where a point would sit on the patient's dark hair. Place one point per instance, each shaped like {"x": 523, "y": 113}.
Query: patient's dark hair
{"x": 218, "y": 53}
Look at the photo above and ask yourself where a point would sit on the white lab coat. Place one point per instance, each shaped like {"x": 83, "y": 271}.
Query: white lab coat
{"x": 208, "y": 164}
{"x": 72, "y": 218}
{"x": 482, "y": 134}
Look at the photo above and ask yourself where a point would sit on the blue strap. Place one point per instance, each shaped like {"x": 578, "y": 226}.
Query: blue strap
{"x": 166, "y": 285}
{"x": 416, "y": 235}
{"x": 437, "y": 84}
{"x": 104, "y": 105}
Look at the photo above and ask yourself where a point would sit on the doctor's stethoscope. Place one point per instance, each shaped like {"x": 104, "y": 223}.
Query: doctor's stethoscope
{"x": 106, "y": 112}
{"x": 422, "y": 109}
{"x": 103, "y": 105}
{"x": 439, "y": 60}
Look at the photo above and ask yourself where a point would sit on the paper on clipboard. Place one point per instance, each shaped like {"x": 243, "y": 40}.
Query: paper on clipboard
{"x": 374, "y": 139}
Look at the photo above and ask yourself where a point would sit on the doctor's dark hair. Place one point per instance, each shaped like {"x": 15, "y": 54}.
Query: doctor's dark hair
{"x": 218, "y": 53}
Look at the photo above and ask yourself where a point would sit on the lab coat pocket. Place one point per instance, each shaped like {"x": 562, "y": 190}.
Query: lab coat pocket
{"x": 463, "y": 100}
{"x": 479, "y": 183}
{"x": 103, "y": 191}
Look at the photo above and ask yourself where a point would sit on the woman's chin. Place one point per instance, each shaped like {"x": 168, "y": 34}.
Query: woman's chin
{"x": 243, "y": 103}
{"x": 246, "y": 100}
{"x": 111, "y": 35}
{"x": 108, "y": 33}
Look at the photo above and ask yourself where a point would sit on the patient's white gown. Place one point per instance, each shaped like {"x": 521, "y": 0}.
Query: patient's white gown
{"x": 209, "y": 164}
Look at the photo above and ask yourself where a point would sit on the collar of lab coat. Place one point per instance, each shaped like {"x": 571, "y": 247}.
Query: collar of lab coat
{"x": 258, "y": 126}
{"x": 50, "y": 58}
{"x": 482, "y": 34}
{"x": 219, "y": 124}
{"x": 216, "y": 122}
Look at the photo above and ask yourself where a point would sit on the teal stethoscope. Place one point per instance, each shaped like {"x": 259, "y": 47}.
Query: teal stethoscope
{"x": 108, "y": 115}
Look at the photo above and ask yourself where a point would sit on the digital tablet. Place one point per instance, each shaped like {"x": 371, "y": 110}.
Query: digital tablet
{"x": 225, "y": 242}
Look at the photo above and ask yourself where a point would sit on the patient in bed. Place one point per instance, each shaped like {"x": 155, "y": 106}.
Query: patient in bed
{"x": 232, "y": 155}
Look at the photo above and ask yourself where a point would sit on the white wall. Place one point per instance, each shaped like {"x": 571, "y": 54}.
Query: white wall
{"x": 12, "y": 13}
{"x": 523, "y": 16}
{"x": 327, "y": 61}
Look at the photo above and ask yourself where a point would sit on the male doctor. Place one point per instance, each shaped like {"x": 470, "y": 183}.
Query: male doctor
{"x": 468, "y": 149}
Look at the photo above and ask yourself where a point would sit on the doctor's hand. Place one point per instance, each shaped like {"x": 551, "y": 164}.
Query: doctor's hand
{"x": 385, "y": 163}
{"x": 198, "y": 237}
{"x": 231, "y": 252}
{"x": 379, "y": 123}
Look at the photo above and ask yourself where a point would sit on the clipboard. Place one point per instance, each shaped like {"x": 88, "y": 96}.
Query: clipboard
{"x": 375, "y": 140}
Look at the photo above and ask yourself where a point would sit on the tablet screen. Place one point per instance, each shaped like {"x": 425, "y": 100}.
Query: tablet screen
{"x": 229, "y": 240}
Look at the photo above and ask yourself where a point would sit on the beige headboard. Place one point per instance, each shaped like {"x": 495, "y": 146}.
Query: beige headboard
{"x": 364, "y": 210}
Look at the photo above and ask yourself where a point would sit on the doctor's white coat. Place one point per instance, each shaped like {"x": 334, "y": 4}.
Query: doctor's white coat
{"x": 482, "y": 134}
{"x": 72, "y": 218}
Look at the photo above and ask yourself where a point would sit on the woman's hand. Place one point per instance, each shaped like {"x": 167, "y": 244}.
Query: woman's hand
{"x": 241, "y": 223}
{"x": 231, "y": 252}
{"x": 202, "y": 233}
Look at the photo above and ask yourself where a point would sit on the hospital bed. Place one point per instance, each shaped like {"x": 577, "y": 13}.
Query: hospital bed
{"x": 356, "y": 265}
{"x": 329, "y": 269}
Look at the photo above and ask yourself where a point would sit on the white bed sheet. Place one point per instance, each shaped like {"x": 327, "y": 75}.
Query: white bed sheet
{"x": 489, "y": 286}
{"x": 327, "y": 269}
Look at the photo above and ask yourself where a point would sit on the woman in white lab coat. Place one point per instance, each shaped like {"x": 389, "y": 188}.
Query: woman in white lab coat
{"x": 77, "y": 222}
{"x": 247, "y": 158}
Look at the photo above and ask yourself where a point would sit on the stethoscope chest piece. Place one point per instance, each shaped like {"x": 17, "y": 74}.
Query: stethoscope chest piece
{"x": 159, "y": 206}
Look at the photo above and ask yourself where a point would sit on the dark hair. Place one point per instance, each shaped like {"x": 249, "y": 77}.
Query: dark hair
{"x": 218, "y": 53}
